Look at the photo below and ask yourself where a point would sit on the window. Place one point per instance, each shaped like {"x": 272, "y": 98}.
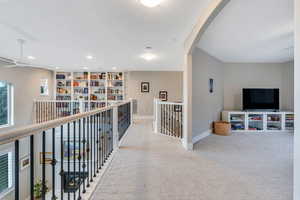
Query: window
{"x": 6, "y": 174}
{"x": 5, "y": 104}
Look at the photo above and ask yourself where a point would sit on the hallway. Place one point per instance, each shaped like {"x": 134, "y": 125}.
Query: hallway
{"x": 239, "y": 167}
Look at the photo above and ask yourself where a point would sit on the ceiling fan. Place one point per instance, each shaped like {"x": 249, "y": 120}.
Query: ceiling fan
{"x": 20, "y": 62}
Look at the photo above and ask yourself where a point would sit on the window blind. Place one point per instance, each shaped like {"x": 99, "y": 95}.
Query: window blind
{"x": 4, "y": 172}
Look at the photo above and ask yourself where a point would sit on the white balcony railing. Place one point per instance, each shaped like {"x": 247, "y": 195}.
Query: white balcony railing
{"x": 168, "y": 118}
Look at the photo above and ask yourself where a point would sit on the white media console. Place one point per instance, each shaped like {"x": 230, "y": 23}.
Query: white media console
{"x": 259, "y": 121}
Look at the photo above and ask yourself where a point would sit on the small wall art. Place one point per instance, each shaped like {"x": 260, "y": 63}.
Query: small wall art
{"x": 163, "y": 95}
{"x": 145, "y": 87}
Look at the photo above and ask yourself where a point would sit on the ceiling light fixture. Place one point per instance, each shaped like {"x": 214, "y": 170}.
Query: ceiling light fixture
{"x": 85, "y": 68}
{"x": 89, "y": 57}
{"x": 148, "y": 56}
{"x": 114, "y": 68}
{"x": 31, "y": 57}
{"x": 150, "y": 3}
{"x": 57, "y": 67}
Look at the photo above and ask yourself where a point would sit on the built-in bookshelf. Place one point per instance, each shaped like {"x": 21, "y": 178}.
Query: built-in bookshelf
{"x": 259, "y": 121}
{"x": 63, "y": 86}
{"x": 98, "y": 88}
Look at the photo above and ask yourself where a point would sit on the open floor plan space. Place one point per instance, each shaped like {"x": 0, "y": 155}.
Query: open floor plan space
{"x": 239, "y": 167}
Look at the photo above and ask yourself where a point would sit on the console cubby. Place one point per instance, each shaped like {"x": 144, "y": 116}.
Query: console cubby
{"x": 259, "y": 121}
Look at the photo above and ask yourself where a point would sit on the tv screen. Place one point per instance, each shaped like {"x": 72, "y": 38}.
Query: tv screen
{"x": 260, "y": 99}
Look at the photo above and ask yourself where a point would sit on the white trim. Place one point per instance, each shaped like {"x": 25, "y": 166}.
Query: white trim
{"x": 142, "y": 116}
{"x": 10, "y": 106}
{"x": 201, "y": 136}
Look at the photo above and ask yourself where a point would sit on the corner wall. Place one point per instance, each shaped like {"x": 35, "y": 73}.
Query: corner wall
{"x": 206, "y": 106}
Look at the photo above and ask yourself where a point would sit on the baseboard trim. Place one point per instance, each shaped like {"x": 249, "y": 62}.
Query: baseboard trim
{"x": 143, "y": 117}
{"x": 201, "y": 136}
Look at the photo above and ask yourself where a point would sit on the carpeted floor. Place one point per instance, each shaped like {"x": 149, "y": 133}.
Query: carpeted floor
{"x": 239, "y": 167}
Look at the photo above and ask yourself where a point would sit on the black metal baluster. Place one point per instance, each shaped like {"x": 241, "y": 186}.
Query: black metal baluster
{"x": 74, "y": 157}
{"x": 84, "y": 155}
{"x": 53, "y": 165}
{"x": 97, "y": 141}
{"x": 17, "y": 167}
{"x": 94, "y": 139}
{"x": 169, "y": 113}
{"x": 99, "y": 138}
{"x": 32, "y": 167}
{"x": 111, "y": 129}
{"x": 161, "y": 118}
{"x": 165, "y": 119}
{"x": 68, "y": 141}
{"x": 79, "y": 158}
{"x": 110, "y": 133}
{"x": 44, "y": 166}
{"x": 172, "y": 119}
{"x": 176, "y": 120}
{"x": 91, "y": 148}
{"x": 61, "y": 162}
{"x": 102, "y": 141}
{"x": 181, "y": 122}
{"x": 105, "y": 134}
{"x": 88, "y": 151}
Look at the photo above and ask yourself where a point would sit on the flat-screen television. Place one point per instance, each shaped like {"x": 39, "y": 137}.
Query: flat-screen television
{"x": 260, "y": 99}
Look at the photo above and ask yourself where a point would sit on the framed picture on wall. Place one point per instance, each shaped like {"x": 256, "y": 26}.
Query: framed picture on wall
{"x": 24, "y": 162}
{"x": 211, "y": 85}
{"x": 44, "y": 91}
{"x": 145, "y": 87}
{"x": 48, "y": 158}
{"x": 163, "y": 95}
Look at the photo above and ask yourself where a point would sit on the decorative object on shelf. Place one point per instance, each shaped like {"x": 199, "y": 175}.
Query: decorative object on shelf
{"x": 48, "y": 158}
{"x": 211, "y": 85}
{"x": 145, "y": 87}
{"x": 24, "y": 162}
{"x": 163, "y": 95}
{"x": 44, "y": 91}
{"x": 38, "y": 188}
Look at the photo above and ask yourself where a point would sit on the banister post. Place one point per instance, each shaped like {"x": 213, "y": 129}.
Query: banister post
{"x": 115, "y": 127}
{"x": 156, "y": 116}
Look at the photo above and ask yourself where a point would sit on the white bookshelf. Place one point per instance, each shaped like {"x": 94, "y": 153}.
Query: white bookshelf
{"x": 95, "y": 87}
{"x": 259, "y": 121}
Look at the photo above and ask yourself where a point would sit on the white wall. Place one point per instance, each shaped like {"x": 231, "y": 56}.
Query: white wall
{"x": 238, "y": 76}
{"x": 162, "y": 80}
{"x": 297, "y": 103}
{"x": 207, "y": 106}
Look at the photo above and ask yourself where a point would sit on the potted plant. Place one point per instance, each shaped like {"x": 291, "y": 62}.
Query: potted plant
{"x": 38, "y": 187}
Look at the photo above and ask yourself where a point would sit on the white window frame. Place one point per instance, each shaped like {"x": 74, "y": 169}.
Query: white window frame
{"x": 11, "y": 183}
{"x": 10, "y": 105}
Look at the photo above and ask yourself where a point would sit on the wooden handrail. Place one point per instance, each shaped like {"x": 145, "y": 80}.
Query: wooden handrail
{"x": 24, "y": 131}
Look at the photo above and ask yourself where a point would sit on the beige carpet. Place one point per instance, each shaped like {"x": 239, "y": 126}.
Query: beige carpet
{"x": 239, "y": 167}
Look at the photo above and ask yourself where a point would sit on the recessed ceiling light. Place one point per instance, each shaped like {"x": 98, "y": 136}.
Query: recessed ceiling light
{"x": 150, "y": 3}
{"x": 85, "y": 68}
{"x": 148, "y": 56}
{"x": 57, "y": 67}
{"x": 89, "y": 57}
{"x": 31, "y": 57}
{"x": 114, "y": 68}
